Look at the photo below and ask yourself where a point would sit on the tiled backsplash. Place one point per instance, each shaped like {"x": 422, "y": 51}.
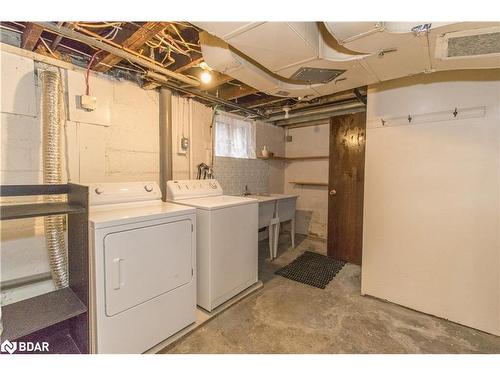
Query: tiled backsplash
{"x": 233, "y": 174}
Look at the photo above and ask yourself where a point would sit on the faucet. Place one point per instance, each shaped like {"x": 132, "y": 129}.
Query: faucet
{"x": 246, "y": 191}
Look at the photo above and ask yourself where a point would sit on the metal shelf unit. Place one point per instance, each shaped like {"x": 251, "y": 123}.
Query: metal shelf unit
{"x": 60, "y": 317}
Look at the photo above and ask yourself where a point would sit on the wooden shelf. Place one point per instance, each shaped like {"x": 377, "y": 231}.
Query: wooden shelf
{"x": 294, "y": 158}
{"x": 271, "y": 157}
{"x": 21, "y": 211}
{"x": 28, "y": 316}
{"x": 309, "y": 183}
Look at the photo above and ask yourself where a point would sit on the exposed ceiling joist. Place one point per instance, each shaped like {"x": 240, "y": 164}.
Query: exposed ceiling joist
{"x": 266, "y": 101}
{"x": 217, "y": 80}
{"x": 189, "y": 65}
{"x": 30, "y": 36}
{"x": 58, "y": 38}
{"x": 235, "y": 92}
{"x": 203, "y": 95}
{"x": 120, "y": 51}
{"x": 150, "y": 85}
{"x": 134, "y": 42}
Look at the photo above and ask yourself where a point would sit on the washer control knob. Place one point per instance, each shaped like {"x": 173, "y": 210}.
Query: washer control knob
{"x": 98, "y": 190}
{"x": 148, "y": 188}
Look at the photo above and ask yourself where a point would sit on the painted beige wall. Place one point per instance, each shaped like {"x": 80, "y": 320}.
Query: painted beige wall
{"x": 431, "y": 210}
{"x": 312, "y": 203}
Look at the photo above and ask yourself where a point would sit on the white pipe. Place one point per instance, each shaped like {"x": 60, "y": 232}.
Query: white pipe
{"x": 190, "y": 122}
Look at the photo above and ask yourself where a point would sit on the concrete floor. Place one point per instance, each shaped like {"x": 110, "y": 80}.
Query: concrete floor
{"x": 290, "y": 317}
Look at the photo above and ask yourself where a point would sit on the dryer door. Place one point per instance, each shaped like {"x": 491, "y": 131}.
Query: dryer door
{"x": 143, "y": 263}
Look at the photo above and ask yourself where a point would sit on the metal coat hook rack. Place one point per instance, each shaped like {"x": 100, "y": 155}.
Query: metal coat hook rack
{"x": 447, "y": 115}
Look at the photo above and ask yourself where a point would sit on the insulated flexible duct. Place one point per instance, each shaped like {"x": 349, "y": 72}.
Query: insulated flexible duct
{"x": 52, "y": 122}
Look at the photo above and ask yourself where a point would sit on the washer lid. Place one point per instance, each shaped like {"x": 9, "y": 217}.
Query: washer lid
{"x": 217, "y": 202}
{"x": 184, "y": 189}
{"x": 127, "y": 213}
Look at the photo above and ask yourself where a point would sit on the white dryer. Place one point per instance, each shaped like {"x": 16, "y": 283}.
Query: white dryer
{"x": 227, "y": 239}
{"x": 143, "y": 262}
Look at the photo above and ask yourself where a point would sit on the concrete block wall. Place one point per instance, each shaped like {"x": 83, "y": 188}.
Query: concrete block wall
{"x": 117, "y": 142}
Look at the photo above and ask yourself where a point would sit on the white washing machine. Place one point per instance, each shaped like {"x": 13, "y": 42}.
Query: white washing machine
{"x": 143, "y": 262}
{"x": 227, "y": 239}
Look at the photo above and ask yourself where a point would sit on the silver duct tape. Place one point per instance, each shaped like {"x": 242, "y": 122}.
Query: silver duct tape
{"x": 52, "y": 111}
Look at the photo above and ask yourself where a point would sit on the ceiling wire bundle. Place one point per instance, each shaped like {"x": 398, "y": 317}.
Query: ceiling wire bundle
{"x": 114, "y": 27}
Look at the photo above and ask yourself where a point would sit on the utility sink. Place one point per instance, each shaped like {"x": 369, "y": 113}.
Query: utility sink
{"x": 281, "y": 206}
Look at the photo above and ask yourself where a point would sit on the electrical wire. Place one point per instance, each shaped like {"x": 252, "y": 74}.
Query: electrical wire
{"x": 113, "y": 32}
{"x": 48, "y": 48}
{"x": 144, "y": 71}
{"x": 98, "y": 26}
{"x": 87, "y": 73}
{"x": 187, "y": 44}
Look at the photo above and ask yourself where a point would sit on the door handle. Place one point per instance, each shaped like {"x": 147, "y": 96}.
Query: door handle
{"x": 333, "y": 192}
{"x": 119, "y": 274}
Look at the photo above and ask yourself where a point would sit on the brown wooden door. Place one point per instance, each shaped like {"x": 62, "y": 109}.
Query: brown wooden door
{"x": 346, "y": 185}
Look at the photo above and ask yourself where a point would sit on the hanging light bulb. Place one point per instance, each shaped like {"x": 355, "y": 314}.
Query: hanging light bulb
{"x": 206, "y": 77}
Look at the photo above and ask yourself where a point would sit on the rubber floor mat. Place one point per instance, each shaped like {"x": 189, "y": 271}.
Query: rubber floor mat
{"x": 312, "y": 269}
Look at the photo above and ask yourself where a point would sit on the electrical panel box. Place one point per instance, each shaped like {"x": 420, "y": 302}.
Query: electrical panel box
{"x": 88, "y": 103}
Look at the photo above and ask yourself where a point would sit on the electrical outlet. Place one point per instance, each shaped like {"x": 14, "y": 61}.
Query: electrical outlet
{"x": 183, "y": 145}
{"x": 288, "y": 138}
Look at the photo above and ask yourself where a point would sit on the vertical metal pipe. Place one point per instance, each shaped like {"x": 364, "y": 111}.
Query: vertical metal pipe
{"x": 52, "y": 113}
{"x": 165, "y": 140}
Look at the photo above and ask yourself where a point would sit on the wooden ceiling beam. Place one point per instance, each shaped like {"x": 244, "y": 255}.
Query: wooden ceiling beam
{"x": 150, "y": 85}
{"x": 266, "y": 101}
{"x": 134, "y": 42}
{"x": 235, "y": 92}
{"x": 30, "y": 36}
{"x": 189, "y": 65}
{"x": 217, "y": 80}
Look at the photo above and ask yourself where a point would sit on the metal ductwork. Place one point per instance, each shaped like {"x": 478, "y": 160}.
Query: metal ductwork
{"x": 52, "y": 114}
{"x": 311, "y": 59}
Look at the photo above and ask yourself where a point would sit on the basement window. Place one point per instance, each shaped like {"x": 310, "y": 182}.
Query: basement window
{"x": 234, "y": 137}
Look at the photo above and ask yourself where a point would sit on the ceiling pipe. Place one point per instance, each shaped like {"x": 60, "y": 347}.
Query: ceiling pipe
{"x": 122, "y": 52}
{"x": 343, "y": 104}
{"x": 322, "y": 118}
{"x": 200, "y": 94}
